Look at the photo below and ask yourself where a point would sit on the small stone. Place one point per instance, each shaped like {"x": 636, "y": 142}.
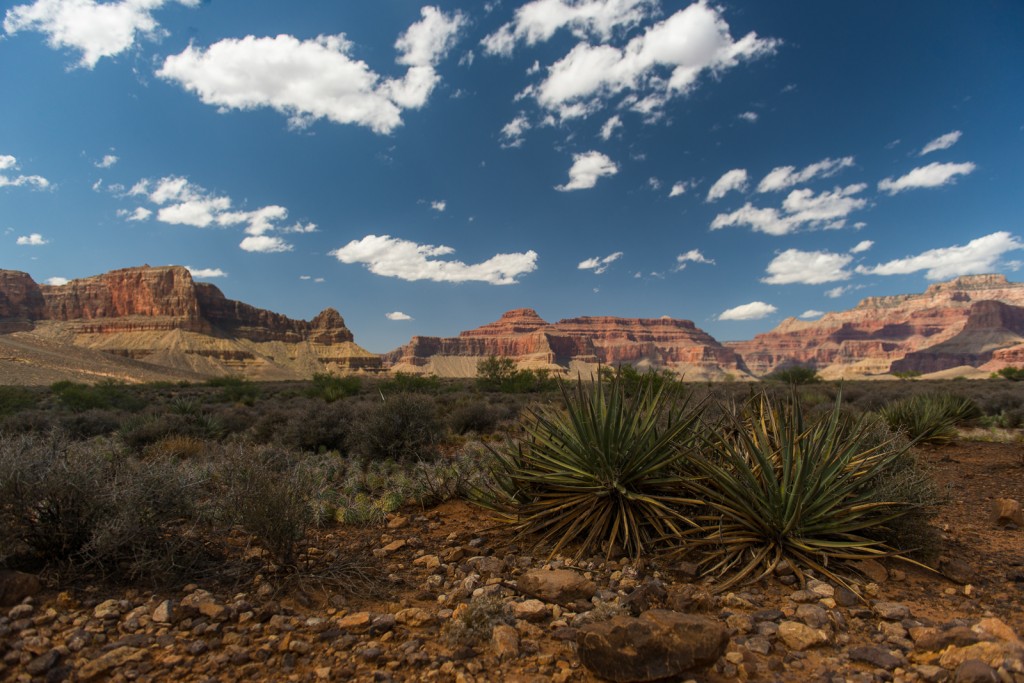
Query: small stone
{"x": 975, "y": 671}
{"x": 931, "y": 673}
{"x": 893, "y": 611}
{"x": 957, "y": 570}
{"x": 846, "y": 598}
{"x": 42, "y": 663}
{"x": 1007, "y": 512}
{"x": 814, "y": 616}
{"x": 108, "y": 609}
{"x": 359, "y": 621}
{"x": 414, "y": 616}
{"x": 822, "y": 589}
{"x": 801, "y": 637}
{"x": 562, "y": 586}
{"x": 872, "y": 569}
{"x": 429, "y": 562}
{"x": 398, "y": 522}
{"x": 22, "y": 611}
{"x": 531, "y": 610}
{"x": 394, "y": 546}
{"x": 164, "y": 612}
{"x": 115, "y": 658}
{"x": 804, "y": 596}
{"x": 505, "y": 641}
{"x": 875, "y": 656}
{"x": 759, "y": 645}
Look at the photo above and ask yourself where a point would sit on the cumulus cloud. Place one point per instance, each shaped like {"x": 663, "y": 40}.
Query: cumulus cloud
{"x": 205, "y": 273}
{"x": 586, "y": 169}
{"x": 862, "y": 247}
{"x": 397, "y": 315}
{"x": 307, "y": 80}
{"x": 608, "y": 129}
{"x": 755, "y": 310}
{"x": 598, "y": 264}
{"x": 942, "y": 142}
{"x": 736, "y": 179}
{"x": 794, "y": 266}
{"x": 10, "y": 163}
{"x": 837, "y": 292}
{"x": 665, "y": 61}
{"x": 811, "y": 313}
{"x": 678, "y": 189}
{"x": 800, "y": 208}
{"x": 33, "y": 240}
{"x": 56, "y": 281}
{"x": 932, "y": 175}
{"x": 395, "y": 257}
{"x": 980, "y": 255}
{"x": 692, "y": 256}
{"x": 95, "y": 29}
{"x": 512, "y": 132}
{"x": 783, "y": 177}
{"x": 182, "y": 202}
{"x": 748, "y": 116}
{"x": 538, "y": 20}
{"x": 107, "y": 161}
{"x": 439, "y": 205}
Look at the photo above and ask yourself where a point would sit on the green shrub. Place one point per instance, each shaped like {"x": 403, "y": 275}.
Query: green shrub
{"x": 16, "y": 399}
{"x": 603, "y": 471}
{"x": 405, "y": 382}
{"x": 401, "y": 427}
{"x": 930, "y": 418}
{"x": 501, "y": 374}
{"x": 105, "y": 395}
{"x": 332, "y": 387}
{"x": 907, "y": 374}
{"x": 235, "y": 389}
{"x": 1011, "y": 372}
{"x": 795, "y": 374}
{"x": 316, "y": 426}
{"x": 474, "y": 416}
{"x": 776, "y": 488}
{"x": 633, "y": 381}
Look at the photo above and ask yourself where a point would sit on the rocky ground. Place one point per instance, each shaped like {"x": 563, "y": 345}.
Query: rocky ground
{"x": 457, "y": 601}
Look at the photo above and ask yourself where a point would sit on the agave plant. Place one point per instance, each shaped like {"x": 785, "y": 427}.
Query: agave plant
{"x": 603, "y": 471}
{"x": 930, "y": 418}
{"x": 778, "y": 489}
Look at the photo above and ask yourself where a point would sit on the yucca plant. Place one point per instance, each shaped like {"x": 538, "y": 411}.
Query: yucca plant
{"x": 929, "y": 418}
{"x": 605, "y": 471}
{"x": 777, "y": 488}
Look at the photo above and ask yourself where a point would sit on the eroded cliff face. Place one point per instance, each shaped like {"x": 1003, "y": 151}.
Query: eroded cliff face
{"x": 869, "y": 338}
{"x": 161, "y": 315}
{"x": 574, "y": 343}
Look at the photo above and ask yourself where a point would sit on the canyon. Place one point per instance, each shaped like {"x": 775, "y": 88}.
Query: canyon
{"x": 158, "y": 323}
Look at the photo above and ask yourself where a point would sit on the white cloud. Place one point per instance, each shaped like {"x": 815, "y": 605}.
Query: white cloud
{"x": 862, "y": 247}
{"x": 782, "y": 177}
{"x": 513, "y": 131}
{"x": 748, "y": 116}
{"x": 801, "y": 207}
{"x": 837, "y": 292}
{"x": 736, "y": 179}
{"x": 96, "y": 29}
{"x": 107, "y": 161}
{"x": 33, "y": 240}
{"x": 10, "y": 163}
{"x": 586, "y": 169}
{"x": 679, "y": 188}
{"x": 811, "y": 313}
{"x": 307, "y": 80}
{"x": 538, "y": 20}
{"x": 692, "y": 256}
{"x": 932, "y": 175}
{"x": 598, "y": 264}
{"x": 666, "y": 60}
{"x": 608, "y": 129}
{"x": 439, "y": 205}
{"x": 182, "y": 202}
{"x": 980, "y": 255}
{"x": 942, "y": 142}
{"x": 654, "y": 183}
{"x": 204, "y": 273}
{"x": 755, "y": 310}
{"x": 305, "y": 277}
{"x": 807, "y": 267}
{"x": 397, "y": 315}
{"x": 394, "y": 257}
{"x": 319, "y": 280}
{"x": 56, "y": 281}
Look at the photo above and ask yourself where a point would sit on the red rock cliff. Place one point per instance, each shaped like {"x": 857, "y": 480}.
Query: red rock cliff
{"x": 21, "y": 300}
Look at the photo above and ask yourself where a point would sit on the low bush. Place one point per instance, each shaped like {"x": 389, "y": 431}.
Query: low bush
{"x": 1011, "y": 372}
{"x": 502, "y": 374}
{"x": 406, "y": 382}
{"x": 475, "y": 416}
{"x": 16, "y": 399}
{"x": 400, "y": 427}
{"x": 930, "y": 418}
{"x": 332, "y": 387}
{"x": 105, "y": 395}
{"x": 236, "y": 389}
{"x": 475, "y": 624}
{"x": 795, "y": 374}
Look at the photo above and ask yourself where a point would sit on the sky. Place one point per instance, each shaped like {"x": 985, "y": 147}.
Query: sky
{"x": 423, "y": 168}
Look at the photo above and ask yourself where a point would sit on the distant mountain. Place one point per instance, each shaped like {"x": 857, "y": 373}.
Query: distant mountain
{"x": 166, "y": 323}
{"x": 147, "y": 324}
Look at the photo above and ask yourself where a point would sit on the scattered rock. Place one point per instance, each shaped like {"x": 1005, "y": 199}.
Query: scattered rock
{"x": 957, "y": 570}
{"x": 801, "y": 637}
{"x": 893, "y": 611}
{"x": 108, "y": 609}
{"x": 505, "y": 641}
{"x": 114, "y": 658}
{"x": 164, "y": 612}
{"x": 561, "y": 586}
{"x": 975, "y": 671}
{"x": 872, "y": 569}
{"x": 429, "y": 562}
{"x": 657, "y": 644}
{"x": 359, "y": 621}
{"x": 1007, "y": 512}
{"x": 876, "y": 656}
{"x": 531, "y": 610}
{"x": 16, "y": 586}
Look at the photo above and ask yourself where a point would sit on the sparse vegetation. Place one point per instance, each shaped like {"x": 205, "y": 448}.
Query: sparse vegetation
{"x": 1010, "y": 372}
{"x": 930, "y": 418}
{"x": 502, "y": 374}
{"x": 795, "y": 374}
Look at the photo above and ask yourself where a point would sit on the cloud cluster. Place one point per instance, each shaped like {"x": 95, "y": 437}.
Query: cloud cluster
{"x": 932, "y": 175}
{"x": 586, "y": 169}
{"x": 33, "y": 240}
{"x": 679, "y": 188}
{"x": 800, "y": 208}
{"x": 181, "y": 202}
{"x": 10, "y": 163}
{"x": 205, "y": 273}
{"x": 598, "y": 264}
{"x": 736, "y": 179}
{"x": 307, "y": 80}
{"x": 394, "y": 257}
{"x": 783, "y": 177}
{"x": 666, "y": 60}
{"x": 107, "y": 161}
{"x": 96, "y": 29}
{"x": 980, "y": 255}
{"x": 609, "y": 127}
{"x": 692, "y": 256}
{"x": 439, "y": 205}
{"x": 794, "y": 266}
{"x": 512, "y": 132}
{"x": 942, "y": 142}
{"x": 755, "y": 310}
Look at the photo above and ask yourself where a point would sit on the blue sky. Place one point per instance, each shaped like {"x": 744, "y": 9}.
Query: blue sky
{"x": 425, "y": 167}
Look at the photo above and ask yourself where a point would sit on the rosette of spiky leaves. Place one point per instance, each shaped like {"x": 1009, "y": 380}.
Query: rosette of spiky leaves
{"x": 778, "y": 489}
{"x": 605, "y": 471}
{"x": 930, "y": 418}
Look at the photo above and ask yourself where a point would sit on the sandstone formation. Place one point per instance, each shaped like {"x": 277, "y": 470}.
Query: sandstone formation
{"x": 873, "y": 337}
{"x": 573, "y": 345}
{"x": 162, "y": 317}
